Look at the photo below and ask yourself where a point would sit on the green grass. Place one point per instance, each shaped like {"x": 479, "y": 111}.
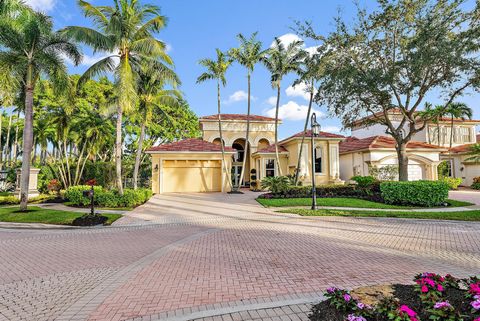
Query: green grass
{"x": 46, "y": 216}
{"x": 460, "y": 216}
{"x": 6, "y": 194}
{"x": 340, "y": 202}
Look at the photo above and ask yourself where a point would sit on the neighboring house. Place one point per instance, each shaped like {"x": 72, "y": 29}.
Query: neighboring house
{"x": 195, "y": 165}
{"x": 369, "y": 145}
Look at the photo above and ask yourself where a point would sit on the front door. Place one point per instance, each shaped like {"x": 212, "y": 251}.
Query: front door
{"x": 236, "y": 171}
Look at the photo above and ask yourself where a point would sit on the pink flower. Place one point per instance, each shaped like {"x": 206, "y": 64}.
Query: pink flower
{"x": 476, "y": 304}
{"x": 347, "y": 297}
{"x": 353, "y": 317}
{"x": 476, "y": 319}
{"x": 408, "y": 311}
{"x": 424, "y": 289}
{"x": 439, "y": 287}
{"x": 331, "y": 290}
{"x": 362, "y": 306}
{"x": 441, "y": 305}
{"x": 474, "y": 288}
{"x": 429, "y": 282}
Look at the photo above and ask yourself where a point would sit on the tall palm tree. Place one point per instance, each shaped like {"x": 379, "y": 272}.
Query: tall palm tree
{"x": 125, "y": 32}
{"x": 30, "y": 47}
{"x": 280, "y": 61}
{"x": 248, "y": 54}
{"x": 216, "y": 70}
{"x": 456, "y": 111}
{"x": 152, "y": 97}
{"x": 312, "y": 69}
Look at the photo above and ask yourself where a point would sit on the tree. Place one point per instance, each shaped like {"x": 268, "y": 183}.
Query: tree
{"x": 312, "y": 69}
{"x": 475, "y": 153}
{"x": 125, "y": 31}
{"x": 391, "y": 59}
{"x": 152, "y": 97}
{"x": 29, "y": 48}
{"x": 281, "y": 61}
{"x": 248, "y": 54}
{"x": 216, "y": 70}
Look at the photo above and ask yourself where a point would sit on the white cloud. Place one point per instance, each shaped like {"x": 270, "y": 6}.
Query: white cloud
{"x": 300, "y": 90}
{"x": 272, "y": 101}
{"x": 287, "y": 39}
{"x": 331, "y": 129}
{"x": 87, "y": 60}
{"x": 291, "y": 111}
{"x": 42, "y": 5}
{"x": 312, "y": 50}
{"x": 237, "y": 96}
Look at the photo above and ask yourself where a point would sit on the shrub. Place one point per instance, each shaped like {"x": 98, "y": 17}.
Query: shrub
{"x": 276, "y": 184}
{"x": 9, "y": 200}
{"x": 417, "y": 193}
{"x": 384, "y": 173}
{"x": 364, "y": 181}
{"x": 453, "y": 183}
{"x": 476, "y": 183}
{"x": 107, "y": 198}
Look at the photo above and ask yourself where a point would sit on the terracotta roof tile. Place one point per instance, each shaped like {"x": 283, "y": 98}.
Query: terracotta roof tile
{"x": 189, "y": 145}
{"x": 237, "y": 117}
{"x": 355, "y": 144}
{"x": 271, "y": 149}
{"x": 309, "y": 134}
{"x": 464, "y": 148}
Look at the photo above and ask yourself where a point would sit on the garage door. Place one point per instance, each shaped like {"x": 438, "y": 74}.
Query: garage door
{"x": 191, "y": 176}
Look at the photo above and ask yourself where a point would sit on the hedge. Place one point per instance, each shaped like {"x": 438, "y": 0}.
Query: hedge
{"x": 107, "y": 198}
{"x": 417, "y": 193}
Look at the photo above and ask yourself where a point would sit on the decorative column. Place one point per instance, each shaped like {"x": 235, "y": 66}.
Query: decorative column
{"x": 32, "y": 184}
{"x": 334, "y": 163}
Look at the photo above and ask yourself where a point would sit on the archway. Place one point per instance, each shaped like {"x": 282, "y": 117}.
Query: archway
{"x": 241, "y": 153}
{"x": 217, "y": 141}
{"x": 263, "y": 143}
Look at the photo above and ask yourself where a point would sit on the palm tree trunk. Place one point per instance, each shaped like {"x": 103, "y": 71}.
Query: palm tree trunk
{"x": 277, "y": 157}
{"x": 65, "y": 152}
{"x": 452, "y": 163}
{"x": 247, "y": 144}
{"x": 27, "y": 140}
{"x": 310, "y": 103}
{"x": 7, "y": 142}
{"x": 1, "y": 150}
{"x": 15, "y": 143}
{"x": 118, "y": 151}
{"x": 222, "y": 147}
{"x": 138, "y": 157}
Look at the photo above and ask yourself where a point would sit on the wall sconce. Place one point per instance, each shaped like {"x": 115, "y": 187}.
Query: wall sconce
{"x": 156, "y": 168}
{"x": 461, "y": 169}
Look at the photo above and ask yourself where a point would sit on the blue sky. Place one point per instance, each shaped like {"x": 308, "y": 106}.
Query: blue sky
{"x": 196, "y": 28}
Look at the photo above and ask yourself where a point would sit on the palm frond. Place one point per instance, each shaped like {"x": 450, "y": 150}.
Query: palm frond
{"x": 102, "y": 66}
{"x": 91, "y": 37}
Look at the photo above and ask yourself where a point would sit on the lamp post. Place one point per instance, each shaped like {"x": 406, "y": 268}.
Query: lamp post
{"x": 314, "y": 133}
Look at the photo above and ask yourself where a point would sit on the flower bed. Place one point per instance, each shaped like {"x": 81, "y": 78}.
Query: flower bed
{"x": 433, "y": 297}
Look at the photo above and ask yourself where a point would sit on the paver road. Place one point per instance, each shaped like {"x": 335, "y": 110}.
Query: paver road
{"x": 216, "y": 257}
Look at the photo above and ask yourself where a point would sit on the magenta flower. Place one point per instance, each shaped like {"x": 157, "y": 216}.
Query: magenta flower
{"x": 408, "y": 311}
{"x": 441, "y": 305}
{"x": 440, "y": 287}
{"x": 475, "y": 288}
{"x": 476, "y": 304}
{"x": 424, "y": 289}
{"x": 331, "y": 290}
{"x": 429, "y": 282}
{"x": 476, "y": 319}
{"x": 353, "y": 317}
{"x": 347, "y": 297}
{"x": 362, "y": 306}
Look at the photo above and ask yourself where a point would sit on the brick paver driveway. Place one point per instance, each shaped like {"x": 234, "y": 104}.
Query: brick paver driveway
{"x": 192, "y": 256}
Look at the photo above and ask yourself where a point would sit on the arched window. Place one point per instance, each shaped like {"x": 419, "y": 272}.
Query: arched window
{"x": 217, "y": 140}
{"x": 318, "y": 160}
{"x": 240, "y": 152}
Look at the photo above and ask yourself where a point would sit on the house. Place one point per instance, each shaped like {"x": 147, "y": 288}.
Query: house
{"x": 369, "y": 146}
{"x": 196, "y": 165}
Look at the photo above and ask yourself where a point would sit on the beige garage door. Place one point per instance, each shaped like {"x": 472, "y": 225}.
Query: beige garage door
{"x": 191, "y": 176}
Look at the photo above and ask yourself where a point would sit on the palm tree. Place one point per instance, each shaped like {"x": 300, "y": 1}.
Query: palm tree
{"x": 456, "y": 111}
{"x": 152, "y": 97}
{"x": 281, "y": 61}
{"x": 31, "y": 48}
{"x": 248, "y": 54}
{"x": 475, "y": 152}
{"x": 216, "y": 70}
{"x": 313, "y": 68}
{"x": 125, "y": 32}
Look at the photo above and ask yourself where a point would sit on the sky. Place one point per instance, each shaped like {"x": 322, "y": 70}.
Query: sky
{"x": 195, "y": 28}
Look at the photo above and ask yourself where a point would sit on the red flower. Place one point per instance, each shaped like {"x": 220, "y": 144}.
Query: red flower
{"x": 91, "y": 182}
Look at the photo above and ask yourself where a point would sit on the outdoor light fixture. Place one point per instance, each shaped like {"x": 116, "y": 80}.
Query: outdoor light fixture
{"x": 156, "y": 168}
{"x": 315, "y": 132}
{"x": 3, "y": 175}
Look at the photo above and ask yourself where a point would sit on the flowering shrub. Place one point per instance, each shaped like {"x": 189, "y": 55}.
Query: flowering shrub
{"x": 340, "y": 299}
{"x": 443, "y": 311}
{"x": 430, "y": 286}
{"x": 476, "y": 183}
{"x": 473, "y": 294}
{"x": 54, "y": 186}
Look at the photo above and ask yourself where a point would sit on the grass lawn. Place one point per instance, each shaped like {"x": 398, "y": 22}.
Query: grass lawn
{"x": 46, "y": 216}
{"x": 460, "y": 216}
{"x": 340, "y": 202}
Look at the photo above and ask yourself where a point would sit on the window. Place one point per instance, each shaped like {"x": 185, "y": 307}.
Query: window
{"x": 269, "y": 167}
{"x": 240, "y": 152}
{"x": 465, "y": 134}
{"x": 318, "y": 160}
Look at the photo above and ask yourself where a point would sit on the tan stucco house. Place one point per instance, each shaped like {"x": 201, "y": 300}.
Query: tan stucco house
{"x": 196, "y": 165}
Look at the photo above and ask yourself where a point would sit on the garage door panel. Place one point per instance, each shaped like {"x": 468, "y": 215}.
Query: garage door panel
{"x": 188, "y": 176}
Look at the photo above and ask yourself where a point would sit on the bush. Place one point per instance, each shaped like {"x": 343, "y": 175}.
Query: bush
{"x": 107, "y": 198}
{"x": 476, "y": 183}
{"x": 384, "y": 173}
{"x": 9, "y": 200}
{"x": 364, "y": 181}
{"x": 276, "y": 184}
{"x": 453, "y": 183}
{"x": 417, "y": 193}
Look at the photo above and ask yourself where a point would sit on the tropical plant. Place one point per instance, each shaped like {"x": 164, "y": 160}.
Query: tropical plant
{"x": 276, "y": 184}
{"x": 280, "y": 61}
{"x": 475, "y": 153}
{"x": 216, "y": 70}
{"x": 248, "y": 54}
{"x": 125, "y": 31}
{"x": 30, "y": 47}
{"x": 152, "y": 97}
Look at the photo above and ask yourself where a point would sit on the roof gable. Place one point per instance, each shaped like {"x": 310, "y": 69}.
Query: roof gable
{"x": 190, "y": 145}
{"x": 352, "y": 144}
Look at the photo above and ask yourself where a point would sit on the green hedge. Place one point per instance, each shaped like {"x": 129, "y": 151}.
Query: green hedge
{"x": 107, "y": 198}
{"x": 417, "y": 193}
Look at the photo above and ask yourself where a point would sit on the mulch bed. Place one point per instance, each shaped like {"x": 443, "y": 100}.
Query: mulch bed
{"x": 405, "y": 294}
{"x": 89, "y": 220}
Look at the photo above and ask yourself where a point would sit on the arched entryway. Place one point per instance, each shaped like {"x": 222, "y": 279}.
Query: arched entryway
{"x": 241, "y": 153}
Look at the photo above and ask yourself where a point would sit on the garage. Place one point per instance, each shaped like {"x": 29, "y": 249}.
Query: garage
{"x": 191, "y": 176}
{"x": 191, "y": 165}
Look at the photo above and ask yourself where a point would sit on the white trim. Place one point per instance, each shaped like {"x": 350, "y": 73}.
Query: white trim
{"x": 185, "y": 152}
